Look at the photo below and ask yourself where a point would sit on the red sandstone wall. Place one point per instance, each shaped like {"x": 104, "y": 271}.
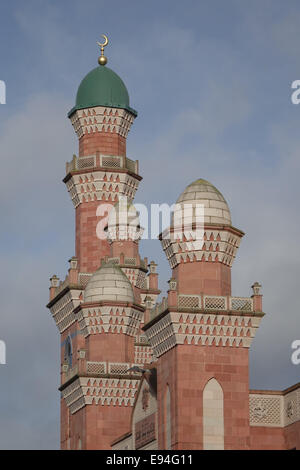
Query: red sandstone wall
{"x": 89, "y": 248}
{"x": 106, "y": 423}
{"x": 107, "y": 143}
{"x": 267, "y": 438}
{"x": 110, "y": 347}
{"x": 128, "y": 247}
{"x": 96, "y": 426}
{"x": 207, "y": 277}
{"x": 292, "y": 436}
{"x": 187, "y": 369}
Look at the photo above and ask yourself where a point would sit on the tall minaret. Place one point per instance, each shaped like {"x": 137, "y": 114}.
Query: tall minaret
{"x": 101, "y": 305}
{"x": 201, "y": 334}
{"x": 102, "y": 119}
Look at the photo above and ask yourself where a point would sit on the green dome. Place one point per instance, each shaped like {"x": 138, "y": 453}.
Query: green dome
{"x": 102, "y": 87}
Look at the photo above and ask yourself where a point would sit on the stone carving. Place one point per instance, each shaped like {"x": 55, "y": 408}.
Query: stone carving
{"x": 259, "y": 410}
{"x": 289, "y": 409}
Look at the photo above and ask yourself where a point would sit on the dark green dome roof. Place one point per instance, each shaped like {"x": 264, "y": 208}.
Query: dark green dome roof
{"x": 102, "y": 87}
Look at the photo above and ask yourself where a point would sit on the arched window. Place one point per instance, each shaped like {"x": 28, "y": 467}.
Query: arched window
{"x": 213, "y": 416}
{"x": 68, "y": 351}
{"x": 168, "y": 421}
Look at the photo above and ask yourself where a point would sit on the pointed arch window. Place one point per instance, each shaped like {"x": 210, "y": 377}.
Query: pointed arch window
{"x": 213, "y": 416}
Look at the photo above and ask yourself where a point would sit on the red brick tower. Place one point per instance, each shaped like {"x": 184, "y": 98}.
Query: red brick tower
{"x": 99, "y": 311}
{"x": 201, "y": 334}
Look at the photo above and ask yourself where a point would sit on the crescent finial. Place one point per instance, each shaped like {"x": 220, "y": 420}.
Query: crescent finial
{"x": 102, "y": 60}
{"x": 105, "y": 41}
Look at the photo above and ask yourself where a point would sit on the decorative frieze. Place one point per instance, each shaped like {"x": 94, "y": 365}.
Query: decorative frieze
{"x": 207, "y": 302}
{"x": 89, "y": 162}
{"x": 62, "y": 309}
{"x": 216, "y": 246}
{"x": 101, "y": 185}
{"x": 291, "y": 407}
{"x": 135, "y": 275}
{"x": 143, "y": 354}
{"x": 277, "y": 409}
{"x": 201, "y": 329}
{"x": 100, "y": 391}
{"x": 102, "y": 119}
{"x": 93, "y": 367}
{"x": 83, "y": 279}
{"x": 106, "y": 319}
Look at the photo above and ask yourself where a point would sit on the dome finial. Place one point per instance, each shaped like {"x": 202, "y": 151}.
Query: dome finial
{"x": 102, "y": 60}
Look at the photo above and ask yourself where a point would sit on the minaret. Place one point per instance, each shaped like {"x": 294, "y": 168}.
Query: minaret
{"x": 102, "y": 172}
{"x": 99, "y": 308}
{"x": 201, "y": 334}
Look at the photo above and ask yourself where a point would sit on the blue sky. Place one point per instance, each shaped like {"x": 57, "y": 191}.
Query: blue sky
{"x": 211, "y": 81}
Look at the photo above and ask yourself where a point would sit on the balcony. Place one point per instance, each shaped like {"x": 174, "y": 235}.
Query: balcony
{"x": 102, "y": 161}
{"x": 206, "y": 303}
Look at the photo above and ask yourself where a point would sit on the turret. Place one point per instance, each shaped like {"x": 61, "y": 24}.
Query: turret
{"x": 201, "y": 334}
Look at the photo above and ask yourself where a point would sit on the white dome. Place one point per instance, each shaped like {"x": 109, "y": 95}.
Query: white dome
{"x": 109, "y": 283}
{"x": 216, "y": 210}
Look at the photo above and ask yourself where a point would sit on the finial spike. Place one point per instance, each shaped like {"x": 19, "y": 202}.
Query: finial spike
{"x": 102, "y": 60}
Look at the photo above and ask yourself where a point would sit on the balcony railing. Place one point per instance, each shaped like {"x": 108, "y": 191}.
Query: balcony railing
{"x": 207, "y": 303}
{"x": 101, "y": 161}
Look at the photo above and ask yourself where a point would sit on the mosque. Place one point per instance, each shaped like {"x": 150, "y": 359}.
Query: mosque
{"x": 137, "y": 373}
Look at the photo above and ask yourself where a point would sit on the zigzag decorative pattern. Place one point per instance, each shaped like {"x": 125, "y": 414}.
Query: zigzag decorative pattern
{"x": 143, "y": 354}
{"x": 109, "y": 320}
{"x": 101, "y": 186}
{"x": 102, "y": 119}
{"x": 100, "y": 391}
{"x": 62, "y": 310}
{"x": 201, "y": 329}
{"x": 216, "y": 246}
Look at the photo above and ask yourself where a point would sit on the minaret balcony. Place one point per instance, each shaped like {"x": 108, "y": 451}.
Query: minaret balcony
{"x": 206, "y": 303}
{"x": 111, "y": 162}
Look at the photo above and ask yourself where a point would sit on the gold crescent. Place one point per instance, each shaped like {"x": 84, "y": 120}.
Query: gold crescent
{"x": 105, "y": 41}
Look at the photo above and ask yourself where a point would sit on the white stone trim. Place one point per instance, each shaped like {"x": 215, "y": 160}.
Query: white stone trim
{"x": 220, "y": 245}
{"x": 108, "y": 319}
{"x": 101, "y": 185}
{"x": 201, "y": 329}
{"x": 274, "y": 410}
{"x": 102, "y": 119}
{"x": 100, "y": 391}
{"x": 62, "y": 309}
